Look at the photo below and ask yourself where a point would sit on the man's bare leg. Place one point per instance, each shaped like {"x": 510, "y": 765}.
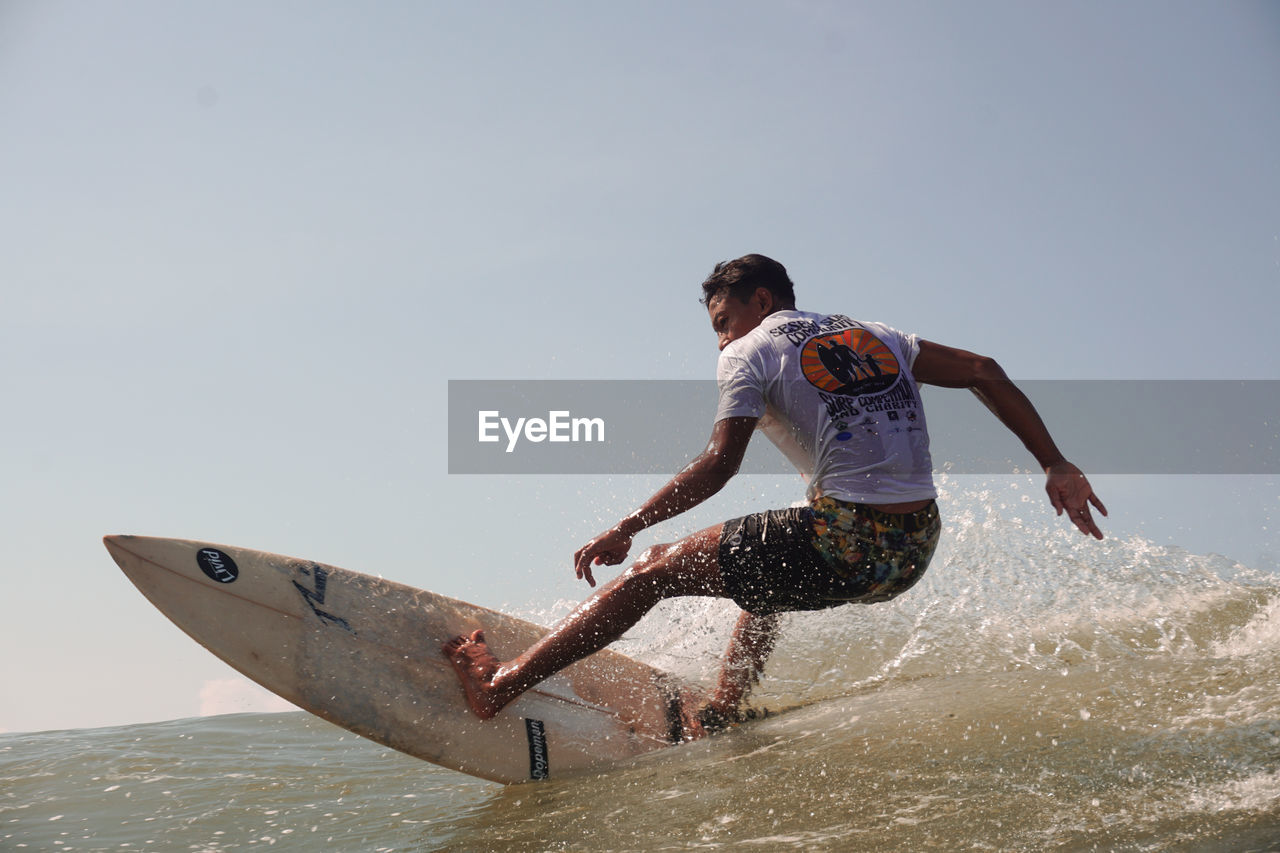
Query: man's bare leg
{"x": 749, "y": 648}
{"x": 688, "y": 567}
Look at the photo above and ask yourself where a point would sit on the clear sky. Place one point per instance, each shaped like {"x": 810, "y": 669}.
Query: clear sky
{"x": 244, "y": 246}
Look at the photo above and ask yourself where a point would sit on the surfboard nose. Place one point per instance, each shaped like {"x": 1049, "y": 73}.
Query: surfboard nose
{"x": 130, "y": 551}
{"x": 123, "y": 549}
{"x": 116, "y": 544}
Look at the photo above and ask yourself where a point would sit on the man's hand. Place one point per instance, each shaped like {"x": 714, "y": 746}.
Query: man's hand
{"x": 1070, "y": 492}
{"x": 608, "y": 549}
{"x": 700, "y": 479}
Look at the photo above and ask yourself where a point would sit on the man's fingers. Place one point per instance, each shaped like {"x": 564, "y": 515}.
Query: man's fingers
{"x": 1085, "y": 523}
{"x": 609, "y": 558}
{"x": 607, "y": 549}
{"x": 1070, "y": 492}
{"x": 583, "y": 570}
{"x": 582, "y": 564}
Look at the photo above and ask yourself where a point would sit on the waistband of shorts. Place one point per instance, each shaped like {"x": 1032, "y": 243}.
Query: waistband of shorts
{"x": 908, "y": 522}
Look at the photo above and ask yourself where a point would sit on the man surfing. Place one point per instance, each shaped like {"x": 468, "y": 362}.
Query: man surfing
{"x": 871, "y": 523}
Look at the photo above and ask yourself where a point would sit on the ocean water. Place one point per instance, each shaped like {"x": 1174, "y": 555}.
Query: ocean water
{"x": 1036, "y": 691}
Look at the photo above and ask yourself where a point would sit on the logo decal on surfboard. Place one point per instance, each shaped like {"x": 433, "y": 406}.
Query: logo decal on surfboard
{"x": 217, "y": 565}
{"x": 315, "y": 597}
{"x": 539, "y": 763}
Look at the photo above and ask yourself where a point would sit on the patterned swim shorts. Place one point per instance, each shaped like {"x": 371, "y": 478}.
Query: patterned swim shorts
{"x": 888, "y": 552}
{"x": 824, "y": 555}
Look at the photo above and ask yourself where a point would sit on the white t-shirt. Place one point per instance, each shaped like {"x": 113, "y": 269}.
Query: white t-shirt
{"x": 838, "y": 398}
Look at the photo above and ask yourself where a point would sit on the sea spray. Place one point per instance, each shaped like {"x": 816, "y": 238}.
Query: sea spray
{"x": 1036, "y": 691}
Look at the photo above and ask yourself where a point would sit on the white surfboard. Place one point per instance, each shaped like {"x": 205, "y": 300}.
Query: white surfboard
{"x": 364, "y": 653}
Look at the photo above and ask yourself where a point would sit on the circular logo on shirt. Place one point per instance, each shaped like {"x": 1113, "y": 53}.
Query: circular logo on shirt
{"x": 852, "y": 362}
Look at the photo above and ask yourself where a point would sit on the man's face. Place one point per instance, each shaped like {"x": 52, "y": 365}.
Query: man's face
{"x": 732, "y": 319}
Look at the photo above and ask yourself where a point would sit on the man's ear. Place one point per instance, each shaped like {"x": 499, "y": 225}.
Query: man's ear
{"x": 764, "y": 296}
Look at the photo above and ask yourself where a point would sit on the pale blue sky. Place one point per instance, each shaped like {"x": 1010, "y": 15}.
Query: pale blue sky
{"x": 244, "y": 246}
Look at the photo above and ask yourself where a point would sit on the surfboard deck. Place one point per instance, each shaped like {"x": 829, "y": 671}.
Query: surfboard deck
{"x": 365, "y": 653}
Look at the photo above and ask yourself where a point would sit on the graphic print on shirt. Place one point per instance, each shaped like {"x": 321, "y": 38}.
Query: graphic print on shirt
{"x": 852, "y": 362}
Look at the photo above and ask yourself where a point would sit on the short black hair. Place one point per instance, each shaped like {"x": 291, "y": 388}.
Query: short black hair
{"x": 740, "y": 278}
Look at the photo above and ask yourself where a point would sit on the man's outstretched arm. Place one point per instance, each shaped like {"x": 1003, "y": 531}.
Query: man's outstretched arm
{"x": 1068, "y": 488}
{"x": 699, "y": 480}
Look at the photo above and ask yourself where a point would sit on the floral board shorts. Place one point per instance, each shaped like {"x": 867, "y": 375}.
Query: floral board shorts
{"x": 826, "y": 554}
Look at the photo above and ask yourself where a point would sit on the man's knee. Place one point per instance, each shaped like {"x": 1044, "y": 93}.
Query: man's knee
{"x": 650, "y": 569}
{"x": 677, "y": 568}
{"x": 662, "y": 571}
{"x": 651, "y": 556}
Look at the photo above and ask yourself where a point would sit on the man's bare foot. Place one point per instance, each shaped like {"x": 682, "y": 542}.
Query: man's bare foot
{"x": 476, "y": 666}
{"x": 714, "y": 719}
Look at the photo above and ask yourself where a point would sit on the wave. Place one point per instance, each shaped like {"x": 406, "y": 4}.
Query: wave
{"x": 1036, "y": 691}
{"x": 1002, "y": 595}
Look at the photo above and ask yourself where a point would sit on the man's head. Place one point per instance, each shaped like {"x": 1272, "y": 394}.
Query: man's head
{"x": 740, "y": 293}
{"x": 740, "y": 278}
